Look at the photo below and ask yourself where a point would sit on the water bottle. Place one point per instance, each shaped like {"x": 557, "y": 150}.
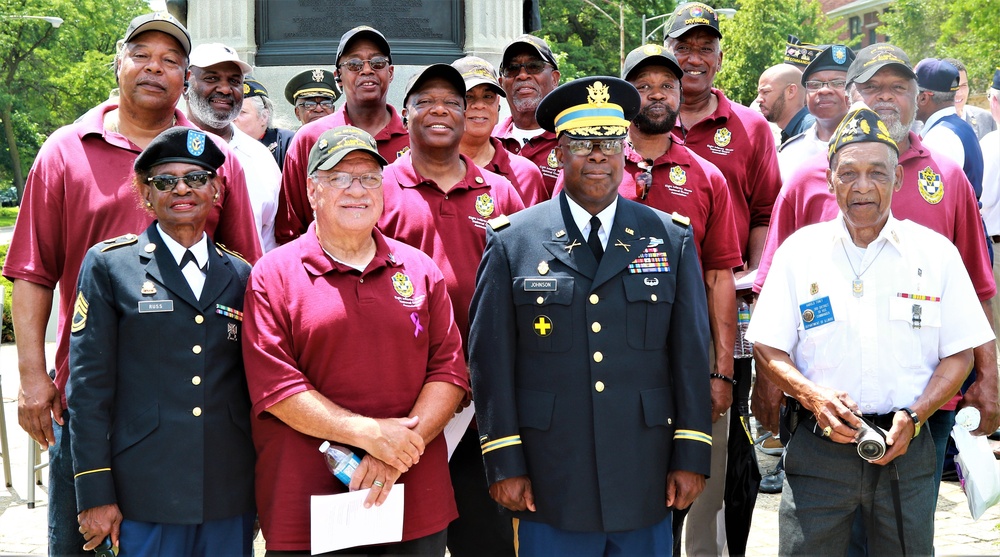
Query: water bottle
{"x": 341, "y": 461}
{"x": 743, "y": 348}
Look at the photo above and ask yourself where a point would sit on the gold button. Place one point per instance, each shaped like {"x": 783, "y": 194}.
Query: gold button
{"x": 540, "y": 300}
{"x": 652, "y": 297}
{"x": 150, "y": 248}
{"x": 196, "y": 380}
{"x": 596, "y": 327}
{"x": 594, "y": 299}
{"x": 199, "y": 319}
{"x": 598, "y": 357}
{"x": 670, "y": 421}
{"x": 599, "y": 386}
{"x": 479, "y": 180}
{"x": 196, "y": 411}
{"x": 196, "y": 349}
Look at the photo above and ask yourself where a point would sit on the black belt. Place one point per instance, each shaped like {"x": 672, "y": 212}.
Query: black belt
{"x": 995, "y": 238}
{"x": 807, "y": 418}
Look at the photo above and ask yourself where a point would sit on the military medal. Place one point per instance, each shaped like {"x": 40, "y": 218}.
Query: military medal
{"x": 148, "y": 288}
{"x": 917, "y": 311}
{"x": 858, "y": 286}
{"x": 232, "y": 331}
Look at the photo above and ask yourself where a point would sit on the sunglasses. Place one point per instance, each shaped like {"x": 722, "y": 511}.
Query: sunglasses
{"x": 356, "y": 65}
{"x": 586, "y": 146}
{"x": 644, "y": 178}
{"x": 343, "y": 180}
{"x": 309, "y": 105}
{"x": 194, "y": 180}
{"x": 533, "y": 67}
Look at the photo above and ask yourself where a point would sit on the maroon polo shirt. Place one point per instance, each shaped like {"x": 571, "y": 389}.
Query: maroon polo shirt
{"x": 522, "y": 173}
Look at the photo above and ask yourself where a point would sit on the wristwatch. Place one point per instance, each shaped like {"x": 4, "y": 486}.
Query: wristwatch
{"x": 915, "y": 418}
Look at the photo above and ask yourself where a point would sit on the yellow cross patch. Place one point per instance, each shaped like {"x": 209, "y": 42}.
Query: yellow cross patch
{"x": 543, "y": 326}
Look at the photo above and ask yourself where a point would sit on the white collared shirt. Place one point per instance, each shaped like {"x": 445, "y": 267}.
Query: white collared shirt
{"x": 195, "y": 276}
{"x": 263, "y": 178}
{"x": 872, "y": 348}
{"x": 940, "y": 139}
{"x": 990, "y": 144}
{"x": 582, "y": 219}
{"x": 796, "y": 151}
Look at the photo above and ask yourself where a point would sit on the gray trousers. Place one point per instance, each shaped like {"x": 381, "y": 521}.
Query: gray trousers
{"x": 826, "y": 483}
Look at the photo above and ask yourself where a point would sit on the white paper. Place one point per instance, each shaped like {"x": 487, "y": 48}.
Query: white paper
{"x": 455, "y": 428}
{"x": 341, "y": 521}
{"x": 746, "y": 281}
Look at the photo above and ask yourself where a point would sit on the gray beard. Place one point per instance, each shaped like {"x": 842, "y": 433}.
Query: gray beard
{"x": 201, "y": 109}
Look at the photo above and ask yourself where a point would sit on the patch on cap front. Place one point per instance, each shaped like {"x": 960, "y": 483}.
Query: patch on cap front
{"x": 196, "y": 142}
{"x": 861, "y": 125}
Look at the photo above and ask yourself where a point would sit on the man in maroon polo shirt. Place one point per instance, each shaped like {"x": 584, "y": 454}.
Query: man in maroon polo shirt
{"x": 739, "y": 142}
{"x": 528, "y": 72}
{"x": 438, "y": 200}
{"x": 364, "y": 71}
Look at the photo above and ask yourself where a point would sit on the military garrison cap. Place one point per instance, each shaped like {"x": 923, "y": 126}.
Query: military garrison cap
{"x": 253, "y": 88}
{"x": 590, "y": 107}
{"x": 181, "y": 144}
{"x": 861, "y": 125}
{"x": 800, "y": 54}
{"x": 316, "y": 82}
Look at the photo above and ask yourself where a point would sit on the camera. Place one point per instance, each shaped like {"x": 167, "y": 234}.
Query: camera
{"x": 871, "y": 441}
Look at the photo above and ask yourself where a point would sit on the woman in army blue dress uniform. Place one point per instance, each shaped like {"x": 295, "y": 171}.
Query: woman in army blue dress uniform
{"x": 158, "y": 402}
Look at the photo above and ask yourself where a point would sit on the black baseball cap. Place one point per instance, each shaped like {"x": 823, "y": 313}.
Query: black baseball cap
{"x": 648, "y": 55}
{"x": 531, "y": 43}
{"x": 934, "y": 74}
{"x": 691, "y": 16}
{"x": 873, "y": 58}
{"x": 363, "y": 32}
{"x": 444, "y": 71}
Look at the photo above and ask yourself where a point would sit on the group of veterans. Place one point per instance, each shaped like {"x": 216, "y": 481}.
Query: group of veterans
{"x": 233, "y": 294}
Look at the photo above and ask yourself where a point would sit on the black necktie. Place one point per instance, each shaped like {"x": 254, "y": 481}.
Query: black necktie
{"x": 189, "y": 258}
{"x": 593, "y": 240}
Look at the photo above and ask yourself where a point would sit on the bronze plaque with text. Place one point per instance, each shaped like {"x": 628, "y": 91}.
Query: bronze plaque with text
{"x": 306, "y": 32}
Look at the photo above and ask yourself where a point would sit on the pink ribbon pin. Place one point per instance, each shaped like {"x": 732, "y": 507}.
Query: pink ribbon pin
{"x": 416, "y": 323}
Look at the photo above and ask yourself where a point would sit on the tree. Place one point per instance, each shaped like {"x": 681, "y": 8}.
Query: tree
{"x": 52, "y": 75}
{"x": 962, "y": 29}
{"x": 754, "y": 40}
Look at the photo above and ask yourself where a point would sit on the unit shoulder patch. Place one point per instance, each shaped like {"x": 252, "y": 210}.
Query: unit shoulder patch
{"x": 120, "y": 241}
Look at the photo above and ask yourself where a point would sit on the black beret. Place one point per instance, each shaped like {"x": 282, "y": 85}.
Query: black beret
{"x": 181, "y": 144}
{"x": 834, "y": 57}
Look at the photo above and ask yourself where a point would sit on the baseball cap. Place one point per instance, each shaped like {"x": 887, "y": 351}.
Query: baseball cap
{"x": 444, "y": 71}
{"x": 476, "y": 71}
{"x": 162, "y": 22}
{"x": 934, "y": 74}
{"x": 690, "y": 16}
{"x": 873, "y": 58}
{"x": 996, "y": 79}
{"x": 647, "y": 55}
{"x": 337, "y": 143}
{"x": 528, "y": 42}
{"x": 363, "y": 32}
{"x": 210, "y": 54}
{"x": 180, "y": 144}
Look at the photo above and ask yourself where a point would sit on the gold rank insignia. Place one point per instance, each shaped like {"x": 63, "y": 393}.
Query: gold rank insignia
{"x": 79, "y": 316}
{"x": 402, "y": 284}
{"x": 148, "y": 288}
{"x": 543, "y": 268}
{"x": 930, "y": 186}
{"x": 678, "y": 176}
{"x": 484, "y": 205}
{"x": 723, "y": 136}
{"x": 543, "y": 326}
{"x": 120, "y": 241}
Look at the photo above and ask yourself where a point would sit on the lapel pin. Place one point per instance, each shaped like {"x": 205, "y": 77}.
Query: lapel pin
{"x": 619, "y": 243}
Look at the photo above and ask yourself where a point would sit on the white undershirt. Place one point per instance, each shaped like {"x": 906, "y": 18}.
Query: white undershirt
{"x": 522, "y": 136}
{"x": 582, "y": 219}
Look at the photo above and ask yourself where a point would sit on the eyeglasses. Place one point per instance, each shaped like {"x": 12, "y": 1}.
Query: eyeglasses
{"x": 194, "y": 180}
{"x": 644, "y": 178}
{"x": 586, "y": 146}
{"x": 356, "y": 64}
{"x": 835, "y": 84}
{"x": 309, "y": 105}
{"x": 533, "y": 67}
{"x": 343, "y": 180}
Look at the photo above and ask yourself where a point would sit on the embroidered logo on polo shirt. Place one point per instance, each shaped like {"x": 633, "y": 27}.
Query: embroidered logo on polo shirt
{"x": 552, "y": 160}
{"x": 402, "y": 284}
{"x": 402, "y": 151}
{"x": 723, "y": 136}
{"x": 484, "y": 205}
{"x": 930, "y": 186}
{"x": 678, "y": 176}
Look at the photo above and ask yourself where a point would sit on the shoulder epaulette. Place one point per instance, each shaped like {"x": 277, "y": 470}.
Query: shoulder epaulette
{"x": 236, "y": 254}
{"x": 119, "y": 242}
{"x": 681, "y": 219}
{"x": 499, "y": 223}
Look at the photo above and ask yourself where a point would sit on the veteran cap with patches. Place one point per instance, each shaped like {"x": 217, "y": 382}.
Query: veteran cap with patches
{"x": 316, "y": 82}
{"x": 873, "y": 58}
{"x": 442, "y": 71}
{"x": 650, "y": 55}
{"x": 835, "y": 57}
{"x": 337, "y": 143}
{"x": 531, "y": 43}
{"x": 590, "y": 107}
{"x": 253, "y": 88}
{"x": 996, "y": 80}
{"x": 477, "y": 71}
{"x": 800, "y": 54}
{"x": 861, "y": 125}
{"x": 181, "y": 144}
{"x": 934, "y": 74}
{"x": 162, "y": 22}
{"x": 363, "y": 32}
{"x": 691, "y": 16}
{"x": 209, "y": 54}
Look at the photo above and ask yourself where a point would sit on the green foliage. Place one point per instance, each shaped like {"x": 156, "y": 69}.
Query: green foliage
{"x": 962, "y": 29}
{"x": 754, "y": 40}
{"x": 51, "y": 76}
{"x": 7, "y": 333}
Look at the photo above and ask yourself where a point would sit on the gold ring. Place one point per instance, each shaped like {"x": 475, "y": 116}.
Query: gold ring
{"x": 377, "y": 483}
{"x": 827, "y": 431}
